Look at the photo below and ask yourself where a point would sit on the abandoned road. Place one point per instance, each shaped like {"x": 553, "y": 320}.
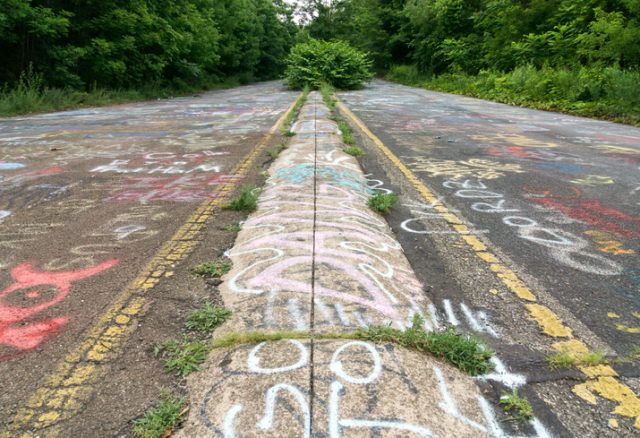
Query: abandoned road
{"x": 531, "y": 220}
{"x": 521, "y": 227}
{"x": 99, "y": 210}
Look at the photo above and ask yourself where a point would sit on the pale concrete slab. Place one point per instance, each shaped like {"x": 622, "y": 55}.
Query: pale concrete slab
{"x": 315, "y": 248}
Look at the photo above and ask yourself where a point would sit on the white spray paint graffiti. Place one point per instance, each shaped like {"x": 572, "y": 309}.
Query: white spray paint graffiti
{"x": 340, "y": 383}
{"x": 4, "y": 214}
{"x": 423, "y": 213}
{"x": 563, "y": 246}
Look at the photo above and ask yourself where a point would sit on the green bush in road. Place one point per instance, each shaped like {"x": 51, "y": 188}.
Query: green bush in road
{"x": 335, "y": 63}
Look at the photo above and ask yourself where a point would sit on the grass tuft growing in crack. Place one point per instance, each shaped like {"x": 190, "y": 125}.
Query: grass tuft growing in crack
{"x": 354, "y": 151}
{"x": 160, "y": 421}
{"x": 275, "y": 152}
{"x": 382, "y": 202}
{"x": 568, "y": 360}
{"x": 467, "y": 353}
{"x": 519, "y": 408}
{"x": 247, "y": 200}
{"x": 232, "y": 228}
{"x": 207, "y": 318}
{"x": 285, "y": 129}
{"x": 347, "y": 133}
{"x": 327, "y": 91}
{"x": 182, "y": 357}
{"x": 635, "y": 353}
{"x": 214, "y": 269}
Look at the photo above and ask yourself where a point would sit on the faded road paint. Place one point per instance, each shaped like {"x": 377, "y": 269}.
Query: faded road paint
{"x": 64, "y": 392}
{"x": 602, "y": 379}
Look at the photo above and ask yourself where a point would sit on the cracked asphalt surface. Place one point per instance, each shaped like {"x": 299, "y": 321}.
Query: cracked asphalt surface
{"x": 97, "y": 208}
{"x": 522, "y": 226}
{"x": 555, "y": 198}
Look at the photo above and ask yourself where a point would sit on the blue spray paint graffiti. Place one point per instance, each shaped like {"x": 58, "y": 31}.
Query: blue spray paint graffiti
{"x": 343, "y": 178}
{"x": 11, "y": 166}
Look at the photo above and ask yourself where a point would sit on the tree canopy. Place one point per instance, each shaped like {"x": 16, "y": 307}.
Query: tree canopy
{"x": 471, "y": 35}
{"x": 130, "y": 43}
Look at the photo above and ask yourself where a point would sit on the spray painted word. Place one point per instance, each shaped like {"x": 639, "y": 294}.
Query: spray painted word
{"x": 562, "y": 246}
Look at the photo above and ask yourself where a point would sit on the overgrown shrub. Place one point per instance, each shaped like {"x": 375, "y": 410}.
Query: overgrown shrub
{"x": 608, "y": 92}
{"x": 336, "y": 63}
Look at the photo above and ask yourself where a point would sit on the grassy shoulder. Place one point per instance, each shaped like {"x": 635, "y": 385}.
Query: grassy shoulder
{"x": 604, "y": 93}
{"x": 30, "y": 96}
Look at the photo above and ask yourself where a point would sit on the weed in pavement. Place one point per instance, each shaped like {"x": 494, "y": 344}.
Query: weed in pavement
{"x": 354, "y": 151}
{"x": 285, "y": 129}
{"x": 467, "y": 353}
{"x": 159, "y": 421}
{"x": 518, "y": 407}
{"x": 232, "y": 228}
{"x": 182, "y": 357}
{"x": 382, "y": 202}
{"x": 207, "y": 318}
{"x": 214, "y": 269}
{"x": 561, "y": 360}
{"x": 273, "y": 153}
{"x": 568, "y": 360}
{"x": 347, "y": 133}
{"x": 592, "y": 359}
{"x": 247, "y": 200}
{"x": 326, "y": 91}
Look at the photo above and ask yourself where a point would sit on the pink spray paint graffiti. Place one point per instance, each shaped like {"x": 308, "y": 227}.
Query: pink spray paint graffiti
{"x": 32, "y": 292}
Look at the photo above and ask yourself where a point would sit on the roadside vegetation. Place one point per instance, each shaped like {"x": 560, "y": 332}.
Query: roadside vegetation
{"x": 246, "y": 200}
{"x": 608, "y": 93}
{"x": 275, "y": 152}
{"x": 382, "y": 202}
{"x": 285, "y": 129}
{"x": 354, "y": 151}
{"x": 66, "y": 54}
{"x": 577, "y": 57}
{"x": 186, "y": 355}
{"x": 160, "y": 421}
{"x": 519, "y": 408}
{"x": 214, "y": 269}
{"x": 182, "y": 357}
{"x": 568, "y": 360}
{"x": 348, "y": 138}
{"x": 207, "y": 318}
{"x": 465, "y": 352}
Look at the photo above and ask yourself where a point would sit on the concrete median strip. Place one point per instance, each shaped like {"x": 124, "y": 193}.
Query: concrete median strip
{"x": 314, "y": 258}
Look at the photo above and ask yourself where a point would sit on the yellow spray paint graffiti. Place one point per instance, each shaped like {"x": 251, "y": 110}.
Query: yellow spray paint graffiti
{"x": 472, "y": 168}
{"x": 606, "y": 243}
{"x": 593, "y": 180}
{"x": 512, "y": 139}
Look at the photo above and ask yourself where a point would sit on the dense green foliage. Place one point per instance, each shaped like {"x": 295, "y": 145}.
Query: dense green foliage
{"x": 577, "y": 55}
{"x": 470, "y": 35}
{"x": 180, "y": 44}
{"x": 603, "y": 92}
{"x": 320, "y": 62}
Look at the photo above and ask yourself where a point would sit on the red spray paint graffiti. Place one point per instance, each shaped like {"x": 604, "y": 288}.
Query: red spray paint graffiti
{"x": 589, "y": 211}
{"x": 46, "y": 289}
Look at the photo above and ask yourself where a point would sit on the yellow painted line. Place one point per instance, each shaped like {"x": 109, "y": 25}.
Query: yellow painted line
{"x": 70, "y": 386}
{"x": 601, "y": 379}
